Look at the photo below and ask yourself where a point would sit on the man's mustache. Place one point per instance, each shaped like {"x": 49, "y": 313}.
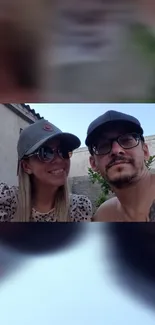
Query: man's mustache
{"x": 119, "y": 158}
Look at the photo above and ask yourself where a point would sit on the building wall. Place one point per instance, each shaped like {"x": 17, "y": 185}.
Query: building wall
{"x": 150, "y": 140}
{"x": 10, "y": 125}
{"x": 79, "y": 162}
{"x": 82, "y": 185}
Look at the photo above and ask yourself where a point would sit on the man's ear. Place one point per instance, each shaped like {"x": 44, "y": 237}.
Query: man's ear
{"x": 26, "y": 167}
{"x": 146, "y": 151}
{"x": 93, "y": 163}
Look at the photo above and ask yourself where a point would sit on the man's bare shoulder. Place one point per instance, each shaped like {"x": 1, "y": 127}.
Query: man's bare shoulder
{"x": 153, "y": 177}
{"x": 107, "y": 211}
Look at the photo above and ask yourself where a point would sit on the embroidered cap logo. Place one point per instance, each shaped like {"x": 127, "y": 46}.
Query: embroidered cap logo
{"x": 48, "y": 127}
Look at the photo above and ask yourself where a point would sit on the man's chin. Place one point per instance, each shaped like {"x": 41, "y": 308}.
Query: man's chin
{"x": 116, "y": 175}
{"x": 121, "y": 182}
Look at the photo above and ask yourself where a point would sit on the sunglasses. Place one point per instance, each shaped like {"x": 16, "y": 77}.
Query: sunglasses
{"x": 126, "y": 141}
{"x": 47, "y": 154}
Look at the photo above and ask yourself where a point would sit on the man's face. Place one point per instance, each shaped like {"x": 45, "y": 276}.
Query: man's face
{"x": 123, "y": 157}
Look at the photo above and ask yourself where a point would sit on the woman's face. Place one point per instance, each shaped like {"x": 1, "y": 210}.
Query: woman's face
{"x": 49, "y": 172}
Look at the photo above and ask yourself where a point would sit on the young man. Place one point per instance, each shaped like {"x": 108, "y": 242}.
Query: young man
{"x": 119, "y": 152}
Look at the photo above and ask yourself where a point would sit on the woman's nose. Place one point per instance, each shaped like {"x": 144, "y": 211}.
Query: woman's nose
{"x": 57, "y": 157}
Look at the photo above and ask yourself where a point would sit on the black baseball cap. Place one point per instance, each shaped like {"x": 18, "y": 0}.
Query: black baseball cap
{"x": 37, "y": 134}
{"x": 109, "y": 119}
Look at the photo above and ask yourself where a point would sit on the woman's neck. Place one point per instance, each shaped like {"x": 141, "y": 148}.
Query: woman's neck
{"x": 44, "y": 198}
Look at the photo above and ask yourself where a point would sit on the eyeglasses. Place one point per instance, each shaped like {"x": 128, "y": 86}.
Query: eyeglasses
{"x": 127, "y": 141}
{"x": 47, "y": 154}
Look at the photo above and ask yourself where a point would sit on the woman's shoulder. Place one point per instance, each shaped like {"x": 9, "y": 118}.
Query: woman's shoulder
{"x": 8, "y": 201}
{"x": 5, "y": 188}
{"x": 80, "y": 208}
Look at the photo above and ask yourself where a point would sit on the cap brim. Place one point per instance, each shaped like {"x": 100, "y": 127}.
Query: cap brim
{"x": 72, "y": 141}
{"x": 132, "y": 127}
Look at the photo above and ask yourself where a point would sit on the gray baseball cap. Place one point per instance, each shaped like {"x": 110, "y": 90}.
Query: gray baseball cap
{"x": 37, "y": 134}
{"x": 109, "y": 119}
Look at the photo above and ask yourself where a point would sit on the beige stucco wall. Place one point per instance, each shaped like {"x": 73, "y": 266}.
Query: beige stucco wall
{"x": 79, "y": 162}
{"x": 10, "y": 124}
{"x": 80, "y": 159}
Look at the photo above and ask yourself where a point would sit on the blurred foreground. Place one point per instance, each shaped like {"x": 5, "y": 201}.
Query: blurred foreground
{"x": 92, "y": 273}
{"x": 77, "y": 51}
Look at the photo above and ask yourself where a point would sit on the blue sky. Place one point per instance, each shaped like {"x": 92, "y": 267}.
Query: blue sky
{"x": 75, "y": 118}
{"x": 73, "y": 287}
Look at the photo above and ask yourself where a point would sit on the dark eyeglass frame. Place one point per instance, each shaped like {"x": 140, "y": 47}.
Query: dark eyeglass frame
{"x": 63, "y": 154}
{"x": 136, "y": 136}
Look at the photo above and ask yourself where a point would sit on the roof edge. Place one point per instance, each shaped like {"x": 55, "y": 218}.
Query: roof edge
{"x": 23, "y": 112}
{"x": 32, "y": 111}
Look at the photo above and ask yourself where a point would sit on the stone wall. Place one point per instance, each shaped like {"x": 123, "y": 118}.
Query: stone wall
{"x": 82, "y": 185}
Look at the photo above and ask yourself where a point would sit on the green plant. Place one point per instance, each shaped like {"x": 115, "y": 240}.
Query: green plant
{"x": 149, "y": 162}
{"x": 97, "y": 178}
{"x": 105, "y": 188}
{"x": 101, "y": 199}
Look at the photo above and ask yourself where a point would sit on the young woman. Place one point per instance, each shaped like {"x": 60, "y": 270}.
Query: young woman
{"x": 44, "y": 154}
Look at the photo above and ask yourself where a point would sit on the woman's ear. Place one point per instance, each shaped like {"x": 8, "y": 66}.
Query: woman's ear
{"x": 26, "y": 167}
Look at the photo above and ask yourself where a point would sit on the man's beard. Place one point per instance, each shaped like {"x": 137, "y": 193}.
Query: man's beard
{"x": 122, "y": 181}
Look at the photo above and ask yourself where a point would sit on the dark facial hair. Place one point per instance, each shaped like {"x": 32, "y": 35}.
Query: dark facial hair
{"x": 121, "y": 182}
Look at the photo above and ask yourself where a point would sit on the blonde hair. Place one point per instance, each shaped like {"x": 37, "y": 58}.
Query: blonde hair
{"x": 24, "y": 198}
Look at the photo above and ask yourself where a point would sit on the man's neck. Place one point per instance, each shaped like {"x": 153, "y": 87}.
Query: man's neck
{"x": 133, "y": 197}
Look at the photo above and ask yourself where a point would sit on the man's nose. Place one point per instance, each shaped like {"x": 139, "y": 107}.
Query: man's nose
{"x": 116, "y": 149}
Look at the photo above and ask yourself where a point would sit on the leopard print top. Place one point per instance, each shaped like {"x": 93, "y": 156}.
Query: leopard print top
{"x": 80, "y": 207}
